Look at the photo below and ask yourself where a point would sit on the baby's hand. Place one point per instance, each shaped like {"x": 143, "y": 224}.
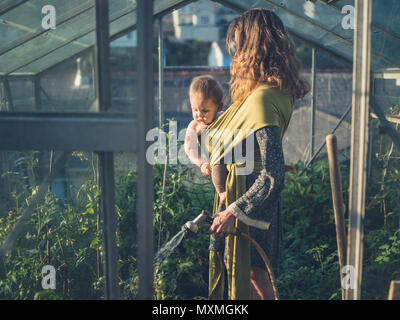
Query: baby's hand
{"x": 200, "y": 128}
{"x": 205, "y": 169}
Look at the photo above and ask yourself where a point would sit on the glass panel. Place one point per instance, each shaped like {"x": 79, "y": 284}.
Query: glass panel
{"x": 123, "y": 72}
{"x": 27, "y": 27}
{"x": 385, "y": 34}
{"x": 63, "y": 231}
{"x": 82, "y": 38}
{"x": 385, "y": 16}
{"x": 70, "y": 86}
{"x": 7, "y": 5}
{"x": 333, "y": 97}
{"x": 73, "y": 32}
{"x": 73, "y": 38}
{"x": 66, "y": 33}
{"x": 382, "y": 193}
{"x": 23, "y": 95}
{"x": 311, "y": 20}
{"x": 382, "y": 215}
{"x": 319, "y": 22}
{"x": 61, "y": 54}
{"x": 65, "y": 228}
{"x": 322, "y": 24}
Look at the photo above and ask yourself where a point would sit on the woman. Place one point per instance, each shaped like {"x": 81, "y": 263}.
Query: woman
{"x": 265, "y": 80}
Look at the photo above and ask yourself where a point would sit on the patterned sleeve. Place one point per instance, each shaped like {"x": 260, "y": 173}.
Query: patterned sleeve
{"x": 270, "y": 180}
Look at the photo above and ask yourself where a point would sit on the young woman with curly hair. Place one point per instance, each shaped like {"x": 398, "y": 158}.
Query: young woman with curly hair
{"x": 265, "y": 81}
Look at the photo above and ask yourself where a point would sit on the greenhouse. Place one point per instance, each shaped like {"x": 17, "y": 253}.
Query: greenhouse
{"x": 89, "y": 88}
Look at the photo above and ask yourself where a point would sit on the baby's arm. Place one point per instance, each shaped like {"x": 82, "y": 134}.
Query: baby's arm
{"x": 191, "y": 143}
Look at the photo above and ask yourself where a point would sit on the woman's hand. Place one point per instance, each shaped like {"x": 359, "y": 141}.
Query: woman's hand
{"x": 223, "y": 223}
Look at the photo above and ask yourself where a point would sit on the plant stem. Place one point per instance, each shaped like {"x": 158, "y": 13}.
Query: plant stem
{"x": 162, "y": 201}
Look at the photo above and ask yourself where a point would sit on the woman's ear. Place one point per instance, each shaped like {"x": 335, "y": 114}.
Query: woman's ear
{"x": 220, "y": 106}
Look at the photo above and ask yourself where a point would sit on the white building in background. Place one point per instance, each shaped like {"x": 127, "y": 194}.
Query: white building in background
{"x": 202, "y": 20}
{"x": 196, "y": 24}
{"x": 218, "y": 57}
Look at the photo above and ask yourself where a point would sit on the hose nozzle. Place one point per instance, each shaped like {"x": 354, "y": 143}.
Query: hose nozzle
{"x": 193, "y": 226}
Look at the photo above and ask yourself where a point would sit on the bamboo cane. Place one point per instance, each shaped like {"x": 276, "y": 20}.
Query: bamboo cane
{"x": 394, "y": 290}
{"x": 337, "y": 197}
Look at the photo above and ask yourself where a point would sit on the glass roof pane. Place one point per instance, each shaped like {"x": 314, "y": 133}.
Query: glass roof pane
{"x": 57, "y": 56}
{"x": 25, "y": 21}
{"x": 385, "y": 15}
{"x": 120, "y": 16}
{"x": 385, "y": 40}
{"x": 324, "y": 18}
{"x": 385, "y": 36}
{"x": 69, "y": 50}
{"x": 316, "y": 22}
{"x": 27, "y": 47}
{"x": 321, "y": 24}
{"x": 6, "y": 5}
{"x": 64, "y": 35}
{"x": 74, "y": 32}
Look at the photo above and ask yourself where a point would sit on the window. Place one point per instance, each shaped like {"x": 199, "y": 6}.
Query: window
{"x": 204, "y": 20}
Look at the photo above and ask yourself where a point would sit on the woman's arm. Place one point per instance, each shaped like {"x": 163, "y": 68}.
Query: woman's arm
{"x": 268, "y": 184}
{"x": 271, "y": 178}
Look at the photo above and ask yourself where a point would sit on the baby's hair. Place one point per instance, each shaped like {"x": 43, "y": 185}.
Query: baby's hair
{"x": 208, "y": 88}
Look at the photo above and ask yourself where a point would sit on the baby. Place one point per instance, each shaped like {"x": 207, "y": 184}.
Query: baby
{"x": 205, "y": 94}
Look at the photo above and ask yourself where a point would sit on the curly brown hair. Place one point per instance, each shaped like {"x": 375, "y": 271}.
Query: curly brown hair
{"x": 262, "y": 52}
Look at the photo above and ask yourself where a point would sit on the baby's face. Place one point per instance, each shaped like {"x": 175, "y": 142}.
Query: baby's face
{"x": 204, "y": 111}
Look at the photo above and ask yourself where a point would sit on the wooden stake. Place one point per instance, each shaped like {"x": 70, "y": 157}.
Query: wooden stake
{"x": 337, "y": 197}
{"x": 394, "y": 290}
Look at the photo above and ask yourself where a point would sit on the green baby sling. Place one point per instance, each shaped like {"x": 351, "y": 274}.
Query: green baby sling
{"x": 265, "y": 106}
